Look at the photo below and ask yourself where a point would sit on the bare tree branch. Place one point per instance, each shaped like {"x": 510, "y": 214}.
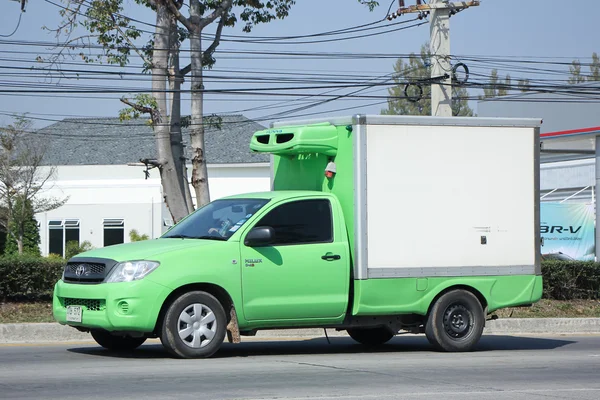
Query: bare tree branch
{"x": 220, "y": 11}
{"x": 140, "y": 108}
{"x": 185, "y": 70}
{"x": 207, "y": 58}
{"x": 180, "y": 17}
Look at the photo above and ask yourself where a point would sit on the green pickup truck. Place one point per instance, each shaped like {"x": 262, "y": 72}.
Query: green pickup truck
{"x": 375, "y": 225}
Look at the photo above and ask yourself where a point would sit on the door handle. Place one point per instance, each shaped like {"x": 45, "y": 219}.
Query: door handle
{"x": 330, "y": 257}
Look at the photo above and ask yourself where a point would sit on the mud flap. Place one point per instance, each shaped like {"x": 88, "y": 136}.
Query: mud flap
{"x": 233, "y": 330}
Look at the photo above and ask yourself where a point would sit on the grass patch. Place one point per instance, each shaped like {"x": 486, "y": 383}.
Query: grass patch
{"x": 25, "y": 312}
{"x": 554, "y": 309}
{"x": 42, "y": 311}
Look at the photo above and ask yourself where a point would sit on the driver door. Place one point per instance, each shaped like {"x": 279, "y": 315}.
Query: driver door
{"x": 304, "y": 273}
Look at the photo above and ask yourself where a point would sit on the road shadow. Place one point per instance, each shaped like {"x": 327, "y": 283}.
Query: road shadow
{"x": 337, "y": 345}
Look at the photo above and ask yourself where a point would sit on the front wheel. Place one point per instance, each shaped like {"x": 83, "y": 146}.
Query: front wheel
{"x": 118, "y": 343}
{"x": 371, "y": 336}
{"x": 194, "y": 326}
{"x": 455, "y": 322}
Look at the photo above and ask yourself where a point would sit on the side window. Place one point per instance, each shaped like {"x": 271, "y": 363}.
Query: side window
{"x": 305, "y": 221}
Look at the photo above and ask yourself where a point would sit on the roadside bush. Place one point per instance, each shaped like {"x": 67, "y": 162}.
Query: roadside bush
{"x": 33, "y": 278}
{"x": 134, "y": 236}
{"x": 571, "y": 280}
{"x": 29, "y": 277}
{"x": 73, "y": 248}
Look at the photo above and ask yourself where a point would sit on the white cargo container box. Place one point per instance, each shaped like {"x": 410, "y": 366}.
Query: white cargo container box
{"x": 441, "y": 196}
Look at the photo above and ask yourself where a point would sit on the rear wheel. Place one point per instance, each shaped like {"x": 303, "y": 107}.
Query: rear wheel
{"x": 455, "y": 322}
{"x": 371, "y": 336}
{"x": 118, "y": 343}
{"x": 194, "y": 326}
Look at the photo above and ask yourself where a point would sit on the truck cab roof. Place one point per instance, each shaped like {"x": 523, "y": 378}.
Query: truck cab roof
{"x": 279, "y": 194}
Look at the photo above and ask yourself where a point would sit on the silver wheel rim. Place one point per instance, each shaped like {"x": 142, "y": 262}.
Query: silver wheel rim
{"x": 197, "y": 325}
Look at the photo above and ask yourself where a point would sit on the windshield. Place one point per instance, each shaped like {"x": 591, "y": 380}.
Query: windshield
{"x": 217, "y": 220}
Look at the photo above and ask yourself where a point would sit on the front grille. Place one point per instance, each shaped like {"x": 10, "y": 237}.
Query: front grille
{"x": 81, "y": 271}
{"x": 89, "y": 304}
{"x": 93, "y": 268}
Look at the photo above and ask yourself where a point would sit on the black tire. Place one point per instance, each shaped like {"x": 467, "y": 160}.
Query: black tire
{"x": 194, "y": 326}
{"x": 455, "y": 322}
{"x": 371, "y": 336}
{"x": 117, "y": 343}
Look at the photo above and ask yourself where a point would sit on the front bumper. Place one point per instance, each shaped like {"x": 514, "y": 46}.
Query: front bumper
{"x": 124, "y": 306}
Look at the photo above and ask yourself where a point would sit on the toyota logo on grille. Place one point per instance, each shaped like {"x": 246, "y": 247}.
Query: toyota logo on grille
{"x": 81, "y": 270}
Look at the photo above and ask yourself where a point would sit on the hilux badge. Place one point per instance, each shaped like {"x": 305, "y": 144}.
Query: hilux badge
{"x": 251, "y": 262}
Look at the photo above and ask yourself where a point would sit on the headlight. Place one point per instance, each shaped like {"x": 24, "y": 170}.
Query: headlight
{"x": 131, "y": 271}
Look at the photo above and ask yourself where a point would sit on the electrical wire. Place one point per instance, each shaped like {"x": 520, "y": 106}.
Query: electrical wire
{"x": 258, "y": 40}
{"x": 543, "y": 74}
{"x": 16, "y": 28}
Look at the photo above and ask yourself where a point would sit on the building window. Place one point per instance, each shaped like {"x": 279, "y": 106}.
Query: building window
{"x": 71, "y": 231}
{"x": 60, "y": 232}
{"x": 114, "y": 231}
{"x": 56, "y": 238}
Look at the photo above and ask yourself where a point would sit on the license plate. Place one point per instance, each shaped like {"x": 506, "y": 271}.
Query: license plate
{"x": 74, "y": 313}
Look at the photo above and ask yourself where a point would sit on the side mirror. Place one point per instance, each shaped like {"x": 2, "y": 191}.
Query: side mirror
{"x": 260, "y": 236}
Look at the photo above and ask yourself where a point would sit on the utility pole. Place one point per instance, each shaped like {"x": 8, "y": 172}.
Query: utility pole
{"x": 440, "y": 12}
{"x": 439, "y": 45}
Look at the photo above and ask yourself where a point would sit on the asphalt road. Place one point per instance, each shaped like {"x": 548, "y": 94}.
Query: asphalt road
{"x": 504, "y": 367}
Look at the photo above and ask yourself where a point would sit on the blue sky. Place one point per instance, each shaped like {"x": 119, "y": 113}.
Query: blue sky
{"x": 497, "y": 28}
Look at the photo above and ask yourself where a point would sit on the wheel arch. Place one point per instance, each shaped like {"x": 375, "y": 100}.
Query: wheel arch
{"x": 482, "y": 300}
{"x": 215, "y": 290}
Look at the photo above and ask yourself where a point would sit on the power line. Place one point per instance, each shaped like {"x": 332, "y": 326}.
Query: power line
{"x": 257, "y": 40}
{"x": 16, "y": 28}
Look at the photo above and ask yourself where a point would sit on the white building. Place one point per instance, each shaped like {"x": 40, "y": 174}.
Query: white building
{"x": 107, "y": 198}
{"x": 567, "y": 135}
{"x": 569, "y": 140}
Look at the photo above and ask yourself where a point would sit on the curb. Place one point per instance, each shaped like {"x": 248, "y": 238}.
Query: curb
{"x": 555, "y": 326}
{"x": 54, "y": 332}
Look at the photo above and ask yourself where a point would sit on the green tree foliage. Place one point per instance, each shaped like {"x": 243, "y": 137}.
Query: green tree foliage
{"x": 369, "y": 3}
{"x": 23, "y": 211}
{"x": 523, "y": 85}
{"x": 575, "y": 70}
{"x": 417, "y": 71}
{"x": 595, "y": 68}
{"x": 497, "y": 88}
{"x": 134, "y": 236}
{"x": 577, "y": 76}
{"x": 22, "y": 180}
